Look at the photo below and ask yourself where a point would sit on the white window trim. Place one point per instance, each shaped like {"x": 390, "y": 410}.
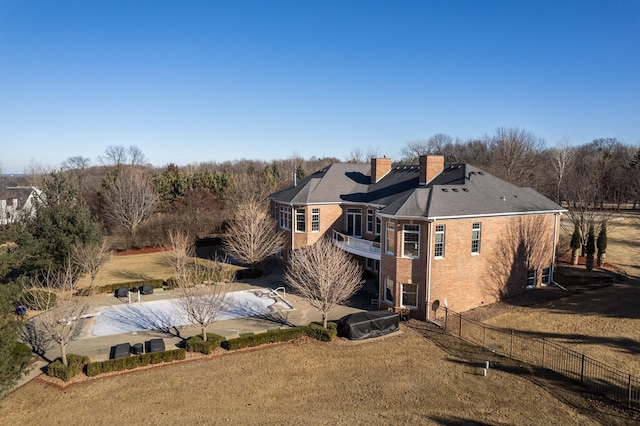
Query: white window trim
{"x": 479, "y": 239}
{"x": 390, "y": 226}
{"x": 534, "y": 278}
{"x": 548, "y": 280}
{"x": 404, "y": 233}
{"x": 392, "y": 290}
{"x": 402, "y": 296}
{"x": 370, "y": 222}
{"x": 444, "y": 239}
{"x": 285, "y": 217}
{"x": 304, "y": 218}
{"x": 315, "y": 212}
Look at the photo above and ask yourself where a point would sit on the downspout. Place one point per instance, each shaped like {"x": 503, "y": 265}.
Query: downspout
{"x": 556, "y": 219}
{"x": 429, "y": 268}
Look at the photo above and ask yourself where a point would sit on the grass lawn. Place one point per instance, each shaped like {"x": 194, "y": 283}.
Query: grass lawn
{"x": 404, "y": 379}
{"x": 136, "y": 267}
{"x": 419, "y": 377}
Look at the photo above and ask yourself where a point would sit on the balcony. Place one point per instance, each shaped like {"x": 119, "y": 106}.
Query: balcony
{"x": 357, "y": 246}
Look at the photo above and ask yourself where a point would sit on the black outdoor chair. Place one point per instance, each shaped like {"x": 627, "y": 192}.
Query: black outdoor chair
{"x": 122, "y": 350}
{"x": 122, "y": 292}
{"x": 146, "y": 289}
{"x": 155, "y": 345}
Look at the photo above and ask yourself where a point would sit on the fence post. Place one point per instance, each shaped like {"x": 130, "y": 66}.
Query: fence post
{"x": 484, "y": 336}
{"x": 446, "y": 317}
{"x": 460, "y": 329}
{"x": 582, "y": 370}
{"x": 544, "y": 341}
{"x": 511, "y": 345}
{"x": 629, "y": 402}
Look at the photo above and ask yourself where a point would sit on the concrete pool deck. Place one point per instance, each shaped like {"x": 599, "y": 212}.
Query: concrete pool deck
{"x": 98, "y": 348}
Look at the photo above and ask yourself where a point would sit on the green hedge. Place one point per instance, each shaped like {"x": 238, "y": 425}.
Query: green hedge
{"x": 111, "y": 288}
{"x": 129, "y": 363}
{"x": 313, "y": 330}
{"x": 196, "y": 344}
{"x": 317, "y": 331}
{"x": 75, "y": 366}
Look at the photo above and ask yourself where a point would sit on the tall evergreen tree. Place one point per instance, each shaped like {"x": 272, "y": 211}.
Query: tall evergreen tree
{"x": 576, "y": 243}
{"x": 591, "y": 248}
{"x": 602, "y": 244}
{"x": 62, "y": 220}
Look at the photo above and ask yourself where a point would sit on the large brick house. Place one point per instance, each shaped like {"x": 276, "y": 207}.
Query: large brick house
{"x": 434, "y": 234}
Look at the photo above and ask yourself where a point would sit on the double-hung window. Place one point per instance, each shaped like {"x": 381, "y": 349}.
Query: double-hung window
{"x": 370, "y": 221}
{"x": 438, "y": 250}
{"x": 389, "y": 245}
{"x": 389, "y": 289}
{"x": 532, "y": 276}
{"x": 410, "y": 295}
{"x": 411, "y": 241}
{"x": 378, "y": 225}
{"x": 546, "y": 276}
{"x": 285, "y": 217}
{"x": 300, "y": 220}
{"x": 475, "y": 238}
{"x": 315, "y": 220}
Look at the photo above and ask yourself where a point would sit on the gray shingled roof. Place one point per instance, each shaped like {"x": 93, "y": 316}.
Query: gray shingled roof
{"x": 21, "y": 193}
{"x": 459, "y": 190}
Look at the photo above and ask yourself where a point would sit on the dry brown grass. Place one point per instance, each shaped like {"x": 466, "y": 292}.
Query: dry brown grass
{"x": 404, "y": 379}
{"x": 603, "y": 323}
{"x": 137, "y": 267}
{"x": 400, "y": 379}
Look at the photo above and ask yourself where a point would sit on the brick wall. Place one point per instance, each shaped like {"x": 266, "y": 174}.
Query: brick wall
{"x": 509, "y": 246}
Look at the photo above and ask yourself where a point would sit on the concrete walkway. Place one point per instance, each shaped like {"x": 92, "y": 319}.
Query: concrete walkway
{"x": 99, "y": 348}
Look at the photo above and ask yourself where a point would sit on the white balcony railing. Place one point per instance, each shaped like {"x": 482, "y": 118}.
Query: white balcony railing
{"x": 358, "y": 246}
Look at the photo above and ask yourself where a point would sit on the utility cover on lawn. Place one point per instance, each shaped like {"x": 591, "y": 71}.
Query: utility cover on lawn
{"x": 365, "y": 325}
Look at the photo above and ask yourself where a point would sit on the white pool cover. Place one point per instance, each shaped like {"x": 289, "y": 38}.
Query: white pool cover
{"x": 163, "y": 314}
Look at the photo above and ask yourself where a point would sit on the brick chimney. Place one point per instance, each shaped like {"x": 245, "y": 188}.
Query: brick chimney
{"x": 379, "y": 168}
{"x": 430, "y": 167}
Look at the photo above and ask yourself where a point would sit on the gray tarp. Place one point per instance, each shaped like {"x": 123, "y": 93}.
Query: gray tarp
{"x": 364, "y": 325}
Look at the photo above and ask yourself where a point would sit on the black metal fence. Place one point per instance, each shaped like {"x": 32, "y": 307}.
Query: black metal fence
{"x": 595, "y": 375}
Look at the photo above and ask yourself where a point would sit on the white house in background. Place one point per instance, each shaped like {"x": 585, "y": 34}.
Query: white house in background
{"x": 16, "y": 203}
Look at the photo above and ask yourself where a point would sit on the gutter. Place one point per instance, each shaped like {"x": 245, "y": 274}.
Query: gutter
{"x": 556, "y": 219}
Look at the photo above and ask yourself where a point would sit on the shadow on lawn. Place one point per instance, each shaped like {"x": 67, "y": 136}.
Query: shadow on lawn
{"x": 568, "y": 391}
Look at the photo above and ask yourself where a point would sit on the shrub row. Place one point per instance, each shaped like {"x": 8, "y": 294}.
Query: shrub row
{"x": 313, "y": 330}
{"x": 129, "y": 363}
{"x": 110, "y": 288}
{"x": 75, "y": 366}
{"x": 196, "y": 344}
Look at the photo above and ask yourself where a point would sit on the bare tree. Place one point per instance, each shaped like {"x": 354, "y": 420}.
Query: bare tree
{"x": 247, "y": 187}
{"x": 324, "y": 275}
{"x": 562, "y": 157}
{"x": 202, "y": 293}
{"x": 136, "y": 156}
{"x": 412, "y": 150}
{"x": 114, "y": 155}
{"x": 182, "y": 251}
{"x": 77, "y": 167}
{"x": 90, "y": 258}
{"x": 59, "y": 319}
{"x": 252, "y": 235}
{"x": 130, "y": 200}
{"x": 514, "y": 154}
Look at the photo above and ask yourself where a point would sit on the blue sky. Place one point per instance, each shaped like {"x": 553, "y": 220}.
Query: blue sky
{"x": 197, "y": 81}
